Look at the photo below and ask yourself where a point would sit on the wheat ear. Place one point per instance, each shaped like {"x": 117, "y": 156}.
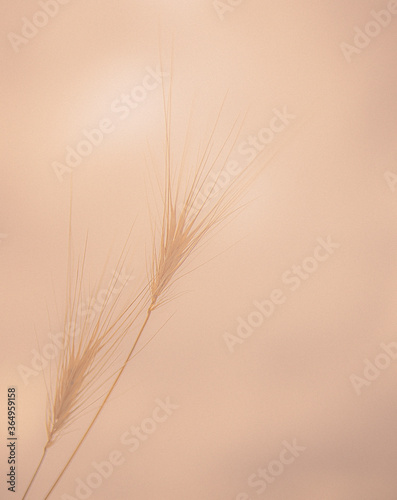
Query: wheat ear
{"x": 84, "y": 358}
{"x": 182, "y": 230}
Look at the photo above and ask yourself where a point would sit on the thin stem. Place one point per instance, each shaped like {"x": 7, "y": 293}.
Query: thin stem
{"x": 148, "y": 314}
{"x": 35, "y": 472}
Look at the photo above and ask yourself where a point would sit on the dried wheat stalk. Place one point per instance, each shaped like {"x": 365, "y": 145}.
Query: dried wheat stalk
{"x": 86, "y": 357}
{"x": 183, "y": 229}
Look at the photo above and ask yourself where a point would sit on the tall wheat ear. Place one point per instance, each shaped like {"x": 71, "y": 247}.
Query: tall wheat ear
{"x": 184, "y": 225}
{"x": 89, "y": 348}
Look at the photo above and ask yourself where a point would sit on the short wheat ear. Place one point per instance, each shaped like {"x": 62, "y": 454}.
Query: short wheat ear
{"x": 88, "y": 351}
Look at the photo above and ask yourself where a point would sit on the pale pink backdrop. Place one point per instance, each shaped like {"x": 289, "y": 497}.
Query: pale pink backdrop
{"x": 291, "y": 378}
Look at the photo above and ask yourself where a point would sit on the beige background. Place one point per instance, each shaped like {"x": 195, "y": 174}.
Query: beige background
{"x": 291, "y": 378}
